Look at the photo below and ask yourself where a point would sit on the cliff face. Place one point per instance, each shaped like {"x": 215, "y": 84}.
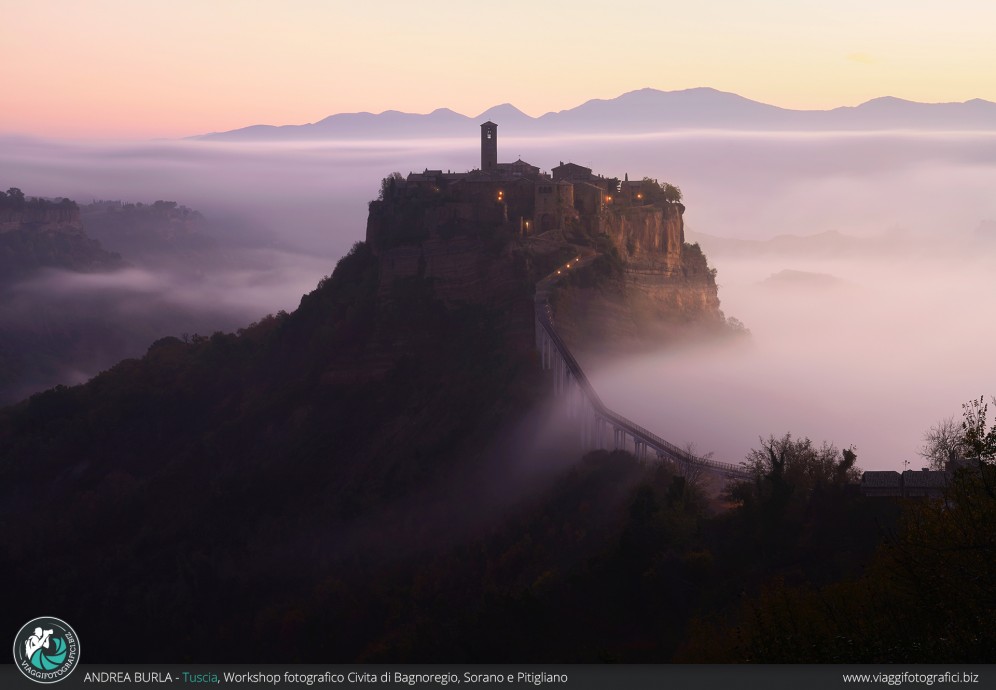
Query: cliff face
{"x": 48, "y": 218}
{"x": 459, "y": 271}
{"x": 659, "y": 266}
{"x": 37, "y": 235}
{"x": 659, "y": 290}
{"x": 649, "y": 235}
{"x": 649, "y": 287}
{"x": 464, "y": 252}
{"x": 156, "y": 233}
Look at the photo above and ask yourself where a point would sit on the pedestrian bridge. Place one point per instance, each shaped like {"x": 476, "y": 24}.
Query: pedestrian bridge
{"x": 598, "y": 426}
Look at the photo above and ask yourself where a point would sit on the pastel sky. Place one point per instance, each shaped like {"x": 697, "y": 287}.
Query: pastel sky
{"x": 167, "y": 68}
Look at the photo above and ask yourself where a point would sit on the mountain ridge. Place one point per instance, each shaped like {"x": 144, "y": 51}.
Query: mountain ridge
{"x": 639, "y": 111}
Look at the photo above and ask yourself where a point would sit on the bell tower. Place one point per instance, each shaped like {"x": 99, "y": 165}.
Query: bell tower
{"x": 489, "y": 146}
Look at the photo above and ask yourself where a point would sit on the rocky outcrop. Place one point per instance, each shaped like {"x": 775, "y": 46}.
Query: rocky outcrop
{"x": 468, "y": 270}
{"x": 649, "y": 286}
{"x": 38, "y": 234}
{"x": 63, "y": 218}
{"x": 464, "y": 251}
{"x": 659, "y": 267}
{"x": 648, "y": 235}
{"x": 655, "y": 289}
{"x": 162, "y": 233}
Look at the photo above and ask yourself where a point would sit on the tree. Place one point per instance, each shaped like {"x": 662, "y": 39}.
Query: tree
{"x": 655, "y": 192}
{"x": 927, "y": 596}
{"x": 735, "y": 324}
{"x": 802, "y": 464}
{"x": 389, "y": 184}
{"x": 945, "y": 551}
{"x": 15, "y": 196}
{"x": 943, "y": 444}
{"x": 694, "y": 473}
{"x": 978, "y": 443}
{"x": 650, "y": 190}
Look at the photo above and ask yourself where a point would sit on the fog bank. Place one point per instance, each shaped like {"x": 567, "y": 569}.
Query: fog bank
{"x": 891, "y": 337}
{"x": 871, "y": 359}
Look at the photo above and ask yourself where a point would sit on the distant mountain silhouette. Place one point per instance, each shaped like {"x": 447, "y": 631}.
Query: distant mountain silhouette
{"x": 646, "y": 110}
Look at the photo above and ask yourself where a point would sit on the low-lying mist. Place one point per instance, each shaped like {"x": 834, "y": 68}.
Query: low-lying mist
{"x": 312, "y": 196}
{"x": 863, "y": 351}
{"x": 61, "y": 327}
{"x": 266, "y": 281}
{"x": 888, "y": 338}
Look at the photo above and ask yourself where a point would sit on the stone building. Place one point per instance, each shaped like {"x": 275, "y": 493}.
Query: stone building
{"x": 572, "y": 172}
{"x": 930, "y": 483}
{"x": 554, "y": 205}
{"x": 909, "y": 484}
{"x": 519, "y": 195}
{"x": 881, "y": 483}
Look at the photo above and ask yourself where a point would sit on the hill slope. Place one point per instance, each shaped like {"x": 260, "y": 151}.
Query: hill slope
{"x": 219, "y": 466}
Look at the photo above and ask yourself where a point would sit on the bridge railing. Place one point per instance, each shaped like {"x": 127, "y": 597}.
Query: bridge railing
{"x": 544, "y": 321}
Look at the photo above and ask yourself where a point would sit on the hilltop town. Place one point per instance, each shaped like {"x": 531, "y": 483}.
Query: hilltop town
{"x": 521, "y": 198}
{"x": 571, "y": 197}
{"x": 485, "y": 236}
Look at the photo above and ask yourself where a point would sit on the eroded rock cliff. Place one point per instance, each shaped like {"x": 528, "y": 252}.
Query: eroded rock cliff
{"x": 468, "y": 256}
{"x": 650, "y": 288}
{"x": 647, "y": 287}
{"x": 64, "y": 218}
{"x": 39, "y": 234}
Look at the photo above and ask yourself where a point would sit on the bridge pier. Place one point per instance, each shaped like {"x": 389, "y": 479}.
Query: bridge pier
{"x": 558, "y": 376}
{"x": 586, "y": 424}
